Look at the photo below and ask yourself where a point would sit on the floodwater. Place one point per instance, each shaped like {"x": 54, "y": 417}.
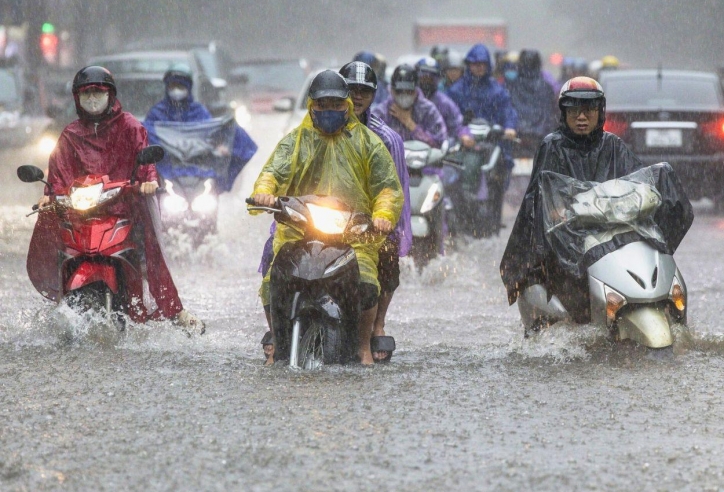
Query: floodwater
{"x": 465, "y": 404}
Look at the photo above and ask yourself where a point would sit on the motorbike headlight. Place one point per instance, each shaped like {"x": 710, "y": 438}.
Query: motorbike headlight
{"x": 46, "y": 144}
{"x": 294, "y": 215}
{"x": 107, "y": 195}
{"x": 416, "y": 159}
{"x": 242, "y": 116}
{"x": 86, "y": 197}
{"x": 206, "y": 202}
{"x": 173, "y": 203}
{"x": 434, "y": 194}
{"x": 328, "y": 220}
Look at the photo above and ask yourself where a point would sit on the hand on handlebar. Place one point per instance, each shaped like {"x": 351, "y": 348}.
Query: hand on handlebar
{"x": 382, "y": 225}
{"x": 44, "y": 201}
{"x": 510, "y": 134}
{"x": 149, "y": 188}
{"x": 467, "y": 141}
{"x": 264, "y": 200}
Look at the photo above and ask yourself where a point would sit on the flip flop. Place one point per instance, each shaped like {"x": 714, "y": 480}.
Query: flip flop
{"x": 382, "y": 344}
{"x": 267, "y": 339}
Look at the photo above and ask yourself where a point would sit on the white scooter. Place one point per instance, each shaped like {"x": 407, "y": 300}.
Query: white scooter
{"x": 636, "y": 291}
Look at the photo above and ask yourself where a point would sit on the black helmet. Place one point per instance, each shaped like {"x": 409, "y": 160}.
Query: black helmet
{"x": 404, "y": 78}
{"x": 358, "y": 73}
{"x": 328, "y": 84}
{"x": 93, "y": 75}
{"x": 179, "y": 72}
{"x": 529, "y": 63}
{"x": 428, "y": 66}
{"x": 438, "y": 52}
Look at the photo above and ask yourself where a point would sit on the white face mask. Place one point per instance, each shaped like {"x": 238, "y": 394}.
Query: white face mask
{"x": 178, "y": 94}
{"x": 94, "y": 103}
{"x": 405, "y": 101}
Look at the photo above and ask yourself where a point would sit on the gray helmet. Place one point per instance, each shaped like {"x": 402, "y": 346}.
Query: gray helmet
{"x": 328, "y": 84}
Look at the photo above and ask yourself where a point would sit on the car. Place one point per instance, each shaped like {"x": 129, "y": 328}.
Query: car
{"x": 209, "y": 91}
{"x": 675, "y": 116}
{"x": 269, "y": 81}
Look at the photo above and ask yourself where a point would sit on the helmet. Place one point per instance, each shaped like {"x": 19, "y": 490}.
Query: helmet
{"x": 428, "y": 66}
{"x": 404, "y": 78}
{"x": 609, "y": 61}
{"x": 529, "y": 62}
{"x": 328, "y": 84}
{"x": 181, "y": 73}
{"x": 380, "y": 67}
{"x": 438, "y": 52}
{"x": 579, "y": 91}
{"x": 358, "y": 73}
{"x": 454, "y": 60}
{"x": 375, "y": 61}
{"x": 94, "y": 76}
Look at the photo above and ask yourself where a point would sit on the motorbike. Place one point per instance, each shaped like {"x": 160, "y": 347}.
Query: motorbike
{"x": 198, "y": 154}
{"x": 523, "y": 157}
{"x": 474, "y": 181}
{"x": 315, "y": 302}
{"x": 635, "y": 290}
{"x": 426, "y": 200}
{"x": 98, "y": 258}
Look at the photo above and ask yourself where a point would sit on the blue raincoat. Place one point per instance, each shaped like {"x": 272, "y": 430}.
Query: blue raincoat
{"x": 187, "y": 111}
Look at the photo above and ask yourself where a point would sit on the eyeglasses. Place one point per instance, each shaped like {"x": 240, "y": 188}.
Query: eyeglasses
{"x": 576, "y": 110}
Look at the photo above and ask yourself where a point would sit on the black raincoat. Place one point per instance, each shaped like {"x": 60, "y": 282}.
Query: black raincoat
{"x": 598, "y": 157}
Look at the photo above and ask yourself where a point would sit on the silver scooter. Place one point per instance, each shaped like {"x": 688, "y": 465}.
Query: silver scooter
{"x": 426, "y": 199}
{"x": 636, "y": 291}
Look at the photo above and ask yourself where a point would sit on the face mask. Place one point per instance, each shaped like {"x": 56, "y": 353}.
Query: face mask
{"x": 94, "y": 103}
{"x": 405, "y": 101}
{"x": 178, "y": 94}
{"x": 511, "y": 75}
{"x": 329, "y": 121}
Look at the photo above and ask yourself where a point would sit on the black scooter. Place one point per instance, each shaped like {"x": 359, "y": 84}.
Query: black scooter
{"x": 315, "y": 299}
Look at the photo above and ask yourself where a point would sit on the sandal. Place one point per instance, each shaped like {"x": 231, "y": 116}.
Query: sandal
{"x": 382, "y": 344}
{"x": 267, "y": 340}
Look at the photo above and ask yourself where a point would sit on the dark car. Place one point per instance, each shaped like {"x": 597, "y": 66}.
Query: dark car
{"x": 674, "y": 116}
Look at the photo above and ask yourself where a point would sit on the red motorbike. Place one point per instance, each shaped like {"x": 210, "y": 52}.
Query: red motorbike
{"x": 98, "y": 265}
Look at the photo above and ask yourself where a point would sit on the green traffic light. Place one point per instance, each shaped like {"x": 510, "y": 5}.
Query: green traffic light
{"x": 48, "y": 28}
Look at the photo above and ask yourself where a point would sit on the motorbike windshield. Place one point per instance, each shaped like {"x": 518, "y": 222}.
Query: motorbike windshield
{"x": 582, "y": 221}
{"x": 197, "y": 147}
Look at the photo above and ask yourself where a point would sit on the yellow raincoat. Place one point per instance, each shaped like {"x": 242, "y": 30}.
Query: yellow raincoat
{"x": 352, "y": 165}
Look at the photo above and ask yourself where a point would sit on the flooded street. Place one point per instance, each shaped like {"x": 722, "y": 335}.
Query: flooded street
{"x": 465, "y": 404}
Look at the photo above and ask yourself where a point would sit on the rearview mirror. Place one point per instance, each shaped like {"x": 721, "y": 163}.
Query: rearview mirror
{"x": 30, "y": 174}
{"x": 150, "y": 155}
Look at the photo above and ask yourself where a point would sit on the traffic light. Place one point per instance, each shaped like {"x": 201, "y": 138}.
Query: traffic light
{"x": 49, "y": 43}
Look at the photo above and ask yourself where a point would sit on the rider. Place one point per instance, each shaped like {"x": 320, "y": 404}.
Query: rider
{"x": 105, "y": 140}
{"x": 428, "y": 75}
{"x": 179, "y": 106}
{"x": 331, "y": 153}
{"x": 379, "y": 65}
{"x": 581, "y": 149}
{"x": 453, "y": 68}
{"x": 533, "y": 99}
{"x": 408, "y": 112}
{"x": 362, "y": 83}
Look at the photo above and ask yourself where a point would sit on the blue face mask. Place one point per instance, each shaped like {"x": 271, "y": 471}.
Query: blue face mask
{"x": 329, "y": 121}
{"x": 511, "y": 75}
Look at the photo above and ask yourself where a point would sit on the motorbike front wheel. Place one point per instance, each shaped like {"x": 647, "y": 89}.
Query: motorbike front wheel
{"x": 320, "y": 345}
{"x": 93, "y": 297}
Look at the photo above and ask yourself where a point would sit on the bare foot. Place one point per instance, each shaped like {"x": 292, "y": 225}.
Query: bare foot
{"x": 269, "y": 353}
{"x": 365, "y": 357}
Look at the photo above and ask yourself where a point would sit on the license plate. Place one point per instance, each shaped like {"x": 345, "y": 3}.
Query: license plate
{"x": 664, "y": 138}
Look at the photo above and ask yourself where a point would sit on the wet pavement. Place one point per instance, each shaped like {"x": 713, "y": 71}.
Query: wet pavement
{"x": 466, "y": 403}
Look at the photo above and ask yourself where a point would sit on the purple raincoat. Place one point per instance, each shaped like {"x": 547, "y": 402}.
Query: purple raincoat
{"x": 450, "y": 114}
{"x": 430, "y": 129}
{"x": 403, "y": 231}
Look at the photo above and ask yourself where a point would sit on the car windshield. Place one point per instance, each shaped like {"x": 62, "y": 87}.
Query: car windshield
{"x": 673, "y": 92}
{"x": 140, "y": 65}
{"x": 8, "y": 87}
{"x": 283, "y": 76}
{"x": 139, "y": 95}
